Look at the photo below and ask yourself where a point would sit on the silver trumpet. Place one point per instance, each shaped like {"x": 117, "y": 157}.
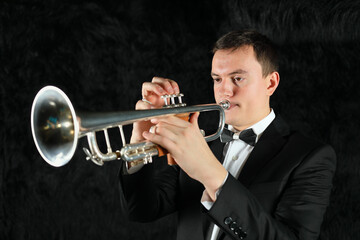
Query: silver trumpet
{"x": 56, "y": 128}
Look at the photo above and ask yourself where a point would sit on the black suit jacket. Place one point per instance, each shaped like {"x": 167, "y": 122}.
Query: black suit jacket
{"x": 282, "y": 191}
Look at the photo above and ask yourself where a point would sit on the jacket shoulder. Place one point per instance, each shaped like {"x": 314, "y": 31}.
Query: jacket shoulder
{"x": 306, "y": 143}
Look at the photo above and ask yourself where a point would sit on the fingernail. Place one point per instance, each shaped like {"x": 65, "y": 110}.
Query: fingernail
{"x": 161, "y": 90}
{"x": 170, "y": 90}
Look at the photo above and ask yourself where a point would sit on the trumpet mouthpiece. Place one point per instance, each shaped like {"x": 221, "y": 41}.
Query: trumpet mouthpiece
{"x": 225, "y": 104}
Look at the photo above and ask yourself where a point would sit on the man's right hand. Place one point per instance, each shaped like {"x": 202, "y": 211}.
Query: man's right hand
{"x": 152, "y": 92}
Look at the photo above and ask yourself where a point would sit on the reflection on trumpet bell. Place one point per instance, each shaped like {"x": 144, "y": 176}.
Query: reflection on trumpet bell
{"x": 53, "y": 126}
{"x": 56, "y": 128}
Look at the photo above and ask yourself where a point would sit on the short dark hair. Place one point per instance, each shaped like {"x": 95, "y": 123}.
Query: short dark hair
{"x": 264, "y": 49}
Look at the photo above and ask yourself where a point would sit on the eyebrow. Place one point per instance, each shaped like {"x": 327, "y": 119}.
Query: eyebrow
{"x": 238, "y": 71}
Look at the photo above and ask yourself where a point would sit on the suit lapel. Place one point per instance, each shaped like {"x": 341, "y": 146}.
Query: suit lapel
{"x": 217, "y": 148}
{"x": 269, "y": 144}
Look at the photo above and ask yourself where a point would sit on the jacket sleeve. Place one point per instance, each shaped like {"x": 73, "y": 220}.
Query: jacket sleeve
{"x": 300, "y": 207}
{"x": 150, "y": 193}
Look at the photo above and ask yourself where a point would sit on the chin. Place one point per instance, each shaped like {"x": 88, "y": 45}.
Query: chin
{"x": 234, "y": 120}
{"x": 232, "y": 114}
{"x": 231, "y": 121}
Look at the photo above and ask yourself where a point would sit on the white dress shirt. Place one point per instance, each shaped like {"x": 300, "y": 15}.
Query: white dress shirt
{"x": 236, "y": 156}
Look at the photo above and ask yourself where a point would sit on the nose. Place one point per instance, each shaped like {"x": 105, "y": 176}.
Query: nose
{"x": 226, "y": 88}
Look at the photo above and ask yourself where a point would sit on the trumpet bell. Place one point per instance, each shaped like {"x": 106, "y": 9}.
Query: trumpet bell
{"x": 54, "y": 126}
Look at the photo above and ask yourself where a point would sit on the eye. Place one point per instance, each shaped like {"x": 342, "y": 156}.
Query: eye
{"x": 217, "y": 80}
{"x": 238, "y": 79}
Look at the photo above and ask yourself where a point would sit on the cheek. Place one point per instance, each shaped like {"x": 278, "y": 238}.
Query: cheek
{"x": 254, "y": 96}
{"x": 216, "y": 93}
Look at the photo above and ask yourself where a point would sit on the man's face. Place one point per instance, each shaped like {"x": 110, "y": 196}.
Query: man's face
{"x": 238, "y": 78}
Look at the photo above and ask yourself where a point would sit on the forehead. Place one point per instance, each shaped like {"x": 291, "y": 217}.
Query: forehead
{"x": 229, "y": 60}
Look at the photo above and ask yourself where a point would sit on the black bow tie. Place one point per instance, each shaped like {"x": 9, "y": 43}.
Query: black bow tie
{"x": 247, "y": 136}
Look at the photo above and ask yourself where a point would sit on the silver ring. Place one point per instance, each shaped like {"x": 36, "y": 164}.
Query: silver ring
{"x": 147, "y": 101}
{"x": 153, "y": 129}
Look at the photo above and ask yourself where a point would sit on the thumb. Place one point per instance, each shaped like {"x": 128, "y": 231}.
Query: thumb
{"x": 194, "y": 118}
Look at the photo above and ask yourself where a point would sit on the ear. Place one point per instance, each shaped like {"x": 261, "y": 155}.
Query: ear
{"x": 272, "y": 82}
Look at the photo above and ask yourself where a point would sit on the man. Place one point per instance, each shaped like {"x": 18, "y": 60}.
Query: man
{"x": 275, "y": 186}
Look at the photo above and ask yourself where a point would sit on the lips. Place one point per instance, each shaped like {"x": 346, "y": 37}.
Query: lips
{"x": 232, "y": 106}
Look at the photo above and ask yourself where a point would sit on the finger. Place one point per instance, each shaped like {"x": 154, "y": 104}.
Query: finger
{"x": 158, "y": 139}
{"x": 167, "y": 131}
{"x": 169, "y": 85}
{"x": 149, "y": 88}
{"x": 152, "y": 93}
{"x": 175, "y": 86}
{"x": 171, "y": 120}
{"x": 142, "y": 105}
{"x": 165, "y": 83}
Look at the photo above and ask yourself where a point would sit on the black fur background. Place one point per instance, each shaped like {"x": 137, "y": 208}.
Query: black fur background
{"x": 99, "y": 53}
